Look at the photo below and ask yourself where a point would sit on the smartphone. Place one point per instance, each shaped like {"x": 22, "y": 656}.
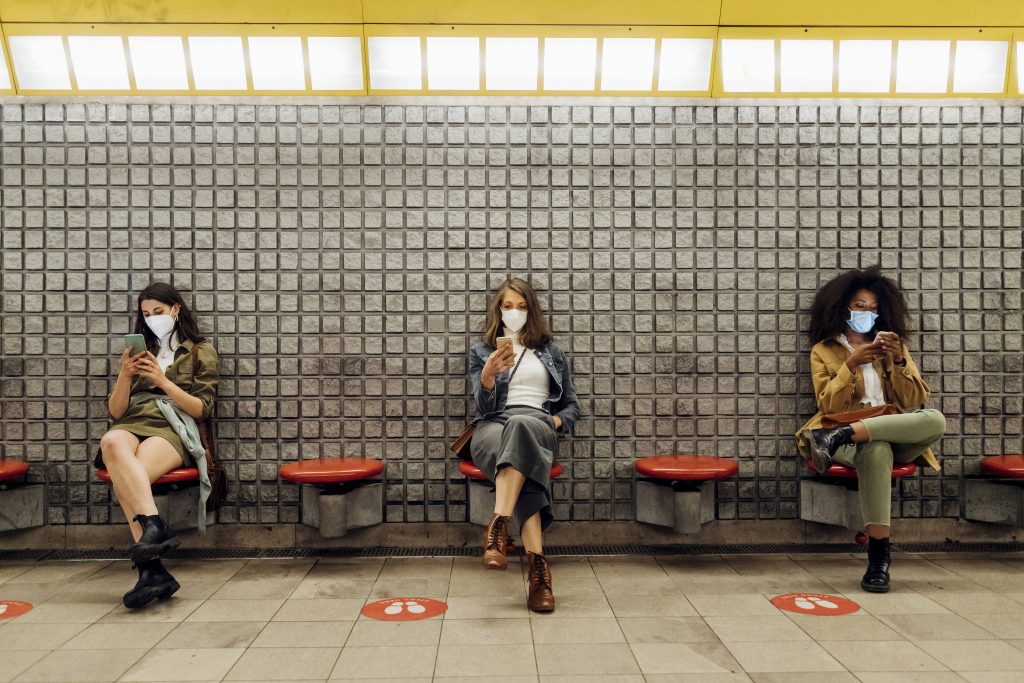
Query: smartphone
{"x": 503, "y": 341}
{"x": 136, "y": 342}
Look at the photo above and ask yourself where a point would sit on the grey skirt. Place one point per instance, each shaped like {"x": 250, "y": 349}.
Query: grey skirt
{"x": 523, "y": 438}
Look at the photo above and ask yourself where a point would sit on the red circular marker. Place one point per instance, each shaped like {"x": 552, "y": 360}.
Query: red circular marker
{"x": 404, "y": 609}
{"x": 13, "y": 608}
{"x": 815, "y": 604}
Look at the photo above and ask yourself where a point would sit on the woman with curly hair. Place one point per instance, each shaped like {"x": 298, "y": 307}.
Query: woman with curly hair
{"x": 860, "y": 359}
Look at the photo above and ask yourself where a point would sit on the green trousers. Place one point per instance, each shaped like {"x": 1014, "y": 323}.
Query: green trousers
{"x": 892, "y": 439}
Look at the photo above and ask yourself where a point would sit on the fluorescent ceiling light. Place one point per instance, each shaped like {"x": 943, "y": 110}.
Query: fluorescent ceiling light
{"x": 453, "y": 63}
{"x": 685, "y": 63}
{"x": 276, "y": 63}
{"x": 1020, "y": 67}
{"x": 980, "y": 66}
{"x": 806, "y": 65}
{"x": 570, "y": 63}
{"x": 395, "y": 64}
{"x": 627, "y": 64}
{"x": 922, "y": 66}
{"x": 511, "y": 63}
{"x": 865, "y": 65}
{"x": 40, "y": 62}
{"x": 99, "y": 62}
{"x": 5, "y": 77}
{"x": 335, "y": 63}
{"x": 158, "y": 62}
{"x": 217, "y": 62}
{"x": 748, "y": 65}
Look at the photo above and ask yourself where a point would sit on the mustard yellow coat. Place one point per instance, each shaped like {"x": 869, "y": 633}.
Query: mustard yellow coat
{"x": 838, "y": 389}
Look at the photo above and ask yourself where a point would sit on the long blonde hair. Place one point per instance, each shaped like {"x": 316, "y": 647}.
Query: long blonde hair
{"x": 535, "y": 334}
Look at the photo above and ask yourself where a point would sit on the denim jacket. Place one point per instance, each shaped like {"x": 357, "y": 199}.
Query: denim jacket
{"x": 561, "y": 401}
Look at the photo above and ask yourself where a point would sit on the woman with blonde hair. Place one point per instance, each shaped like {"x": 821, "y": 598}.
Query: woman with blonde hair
{"x": 525, "y": 399}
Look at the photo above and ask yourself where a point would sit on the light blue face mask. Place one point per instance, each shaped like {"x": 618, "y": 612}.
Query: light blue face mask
{"x": 862, "y": 321}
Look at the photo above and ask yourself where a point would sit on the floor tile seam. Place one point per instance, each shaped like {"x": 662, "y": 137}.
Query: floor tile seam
{"x": 842, "y": 666}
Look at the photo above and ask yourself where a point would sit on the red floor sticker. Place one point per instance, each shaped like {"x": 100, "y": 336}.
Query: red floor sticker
{"x": 404, "y": 609}
{"x": 816, "y": 604}
{"x": 13, "y": 608}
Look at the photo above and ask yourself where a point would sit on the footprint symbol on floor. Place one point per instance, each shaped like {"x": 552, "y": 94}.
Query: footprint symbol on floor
{"x": 812, "y": 602}
{"x": 399, "y": 606}
{"x": 3, "y": 608}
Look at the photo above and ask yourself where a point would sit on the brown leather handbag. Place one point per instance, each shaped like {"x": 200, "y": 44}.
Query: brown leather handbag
{"x": 461, "y": 445}
{"x": 218, "y": 476}
{"x": 847, "y": 417}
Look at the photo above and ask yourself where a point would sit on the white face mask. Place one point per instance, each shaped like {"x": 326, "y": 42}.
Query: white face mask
{"x": 514, "y": 319}
{"x": 161, "y": 325}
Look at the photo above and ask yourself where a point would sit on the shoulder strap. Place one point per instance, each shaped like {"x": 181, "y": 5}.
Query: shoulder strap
{"x": 521, "y": 356}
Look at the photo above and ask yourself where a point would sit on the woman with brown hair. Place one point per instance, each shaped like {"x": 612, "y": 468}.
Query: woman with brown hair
{"x": 525, "y": 398}
{"x": 860, "y": 365}
{"x": 159, "y": 396}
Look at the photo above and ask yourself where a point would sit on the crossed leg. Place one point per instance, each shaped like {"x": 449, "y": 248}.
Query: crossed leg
{"x": 133, "y": 467}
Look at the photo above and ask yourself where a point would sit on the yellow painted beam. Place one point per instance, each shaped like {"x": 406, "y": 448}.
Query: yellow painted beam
{"x": 926, "y": 13}
{"x": 553, "y": 12}
{"x": 183, "y": 11}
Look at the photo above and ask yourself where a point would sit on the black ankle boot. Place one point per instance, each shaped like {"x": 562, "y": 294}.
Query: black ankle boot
{"x": 155, "y": 583}
{"x": 876, "y": 578}
{"x": 156, "y": 539}
{"x": 826, "y": 442}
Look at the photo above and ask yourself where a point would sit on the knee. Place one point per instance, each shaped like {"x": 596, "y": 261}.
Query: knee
{"x": 112, "y": 447}
{"x": 934, "y": 425}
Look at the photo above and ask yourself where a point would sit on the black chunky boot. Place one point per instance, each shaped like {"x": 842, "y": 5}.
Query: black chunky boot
{"x": 826, "y": 442}
{"x": 155, "y": 583}
{"x": 876, "y": 578}
{"x": 157, "y": 539}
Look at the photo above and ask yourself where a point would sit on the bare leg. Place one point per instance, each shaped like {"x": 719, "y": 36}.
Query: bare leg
{"x": 860, "y": 432}
{"x": 507, "y": 485}
{"x": 878, "y": 530}
{"x": 532, "y": 537}
{"x": 131, "y": 484}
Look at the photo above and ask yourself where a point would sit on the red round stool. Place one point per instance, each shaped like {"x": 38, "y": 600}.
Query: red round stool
{"x": 686, "y": 467}
{"x": 327, "y": 471}
{"x": 470, "y": 470}
{"x": 12, "y": 469}
{"x": 1006, "y": 466}
{"x": 175, "y": 476}
{"x": 844, "y": 472}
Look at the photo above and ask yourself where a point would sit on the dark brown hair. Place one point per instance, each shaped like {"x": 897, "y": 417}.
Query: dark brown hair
{"x": 185, "y": 326}
{"x": 535, "y": 334}
{"x": 831, "y": 308}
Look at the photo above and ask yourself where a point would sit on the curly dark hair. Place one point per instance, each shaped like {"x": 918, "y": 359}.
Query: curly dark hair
{"x": 186, "y": 325}
{"x": 831, "y": 308}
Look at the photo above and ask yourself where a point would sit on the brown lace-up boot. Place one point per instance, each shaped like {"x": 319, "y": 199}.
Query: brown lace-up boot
{"x": 541, "y": 598}
{"x": 495, "y": 541}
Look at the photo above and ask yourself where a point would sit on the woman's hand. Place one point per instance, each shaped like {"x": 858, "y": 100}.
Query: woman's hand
{"x": 891, "y": 344}
{"x": 868, "y": 353}
{"x": 557, "y": 420}
{"x": 129, "y": 367}
{"x": 148, "y": 367}
{"x": 498, "y": 362}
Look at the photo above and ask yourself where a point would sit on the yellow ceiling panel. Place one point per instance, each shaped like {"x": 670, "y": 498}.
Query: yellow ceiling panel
{"x": 183, "y": 11}
{"x": 531, "y": 12}
{"x": 874, "y": 13}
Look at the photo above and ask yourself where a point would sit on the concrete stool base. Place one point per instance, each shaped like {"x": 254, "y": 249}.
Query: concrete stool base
{"x": 179, "y": 508}
{"x": 481, "y": 502}
{"x": 21, "y": 507}
{"x": 994, "y": 502}
{"x": 334, "y": 513}
{"x": 827, "y": 503}
{"x": 686, "y": 511}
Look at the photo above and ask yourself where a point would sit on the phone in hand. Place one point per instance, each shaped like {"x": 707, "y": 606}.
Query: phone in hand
{"x": 136, "y": 342}
{"x": 503, "y": 341}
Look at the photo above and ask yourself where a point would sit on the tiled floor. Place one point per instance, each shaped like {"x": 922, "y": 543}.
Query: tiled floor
{"x": 949, "y": 618}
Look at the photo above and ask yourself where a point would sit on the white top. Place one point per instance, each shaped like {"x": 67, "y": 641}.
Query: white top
{"x": 873, "y": 393}
{"x": 165, "y": 354}
{"x": 531, "y": 385}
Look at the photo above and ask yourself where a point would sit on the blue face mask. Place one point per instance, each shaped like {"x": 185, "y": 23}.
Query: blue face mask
{"x": 862, "y": 321}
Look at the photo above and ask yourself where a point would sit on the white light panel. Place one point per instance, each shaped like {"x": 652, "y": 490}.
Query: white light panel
{"x": 627, "y": 64}
{"x": 980, "y": 66}
{"x": 453, "y": 63}
{"x": 865, "y": 65}
{"x": 5, "y": 77}
{"x": 217, "y": 62}
{"x": 40, "y": 62}
{"x": 99, "y": 62}
{"x": 922, "y": 66}
{"x": 395, "y": 64}
{"x": 158, "y": 62}
{"x": 277, "y": 63}
{"x": 570, "y": 63}
{"x": 806, "y": 65}
{"x": 685, "y": 63}
{"x": 1020, "y": 67}
{"x": 511, "y": 63}
{"x": 335, "y": 63}
{"x": 748, "y": 65}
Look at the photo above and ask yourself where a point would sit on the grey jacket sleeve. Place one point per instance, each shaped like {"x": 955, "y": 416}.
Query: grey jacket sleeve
{"x": 568, "y": 408}
{"x": 485, "y": 400}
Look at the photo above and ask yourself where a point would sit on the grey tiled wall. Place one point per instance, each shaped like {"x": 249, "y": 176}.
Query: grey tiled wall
{"x": 341, "y": 257}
